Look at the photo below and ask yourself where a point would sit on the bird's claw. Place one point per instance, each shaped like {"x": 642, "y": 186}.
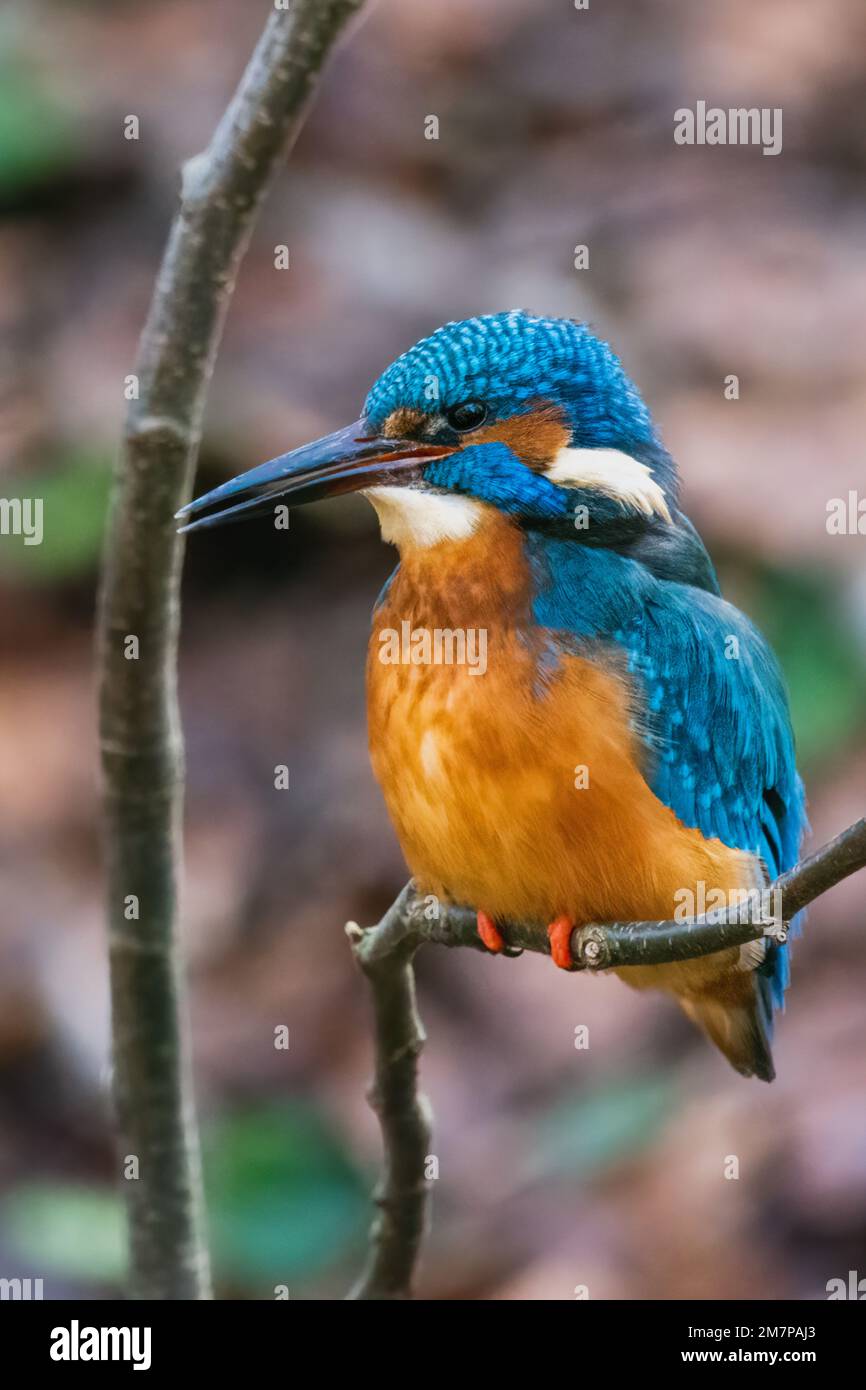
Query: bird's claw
{"x": 490, "y": 933}
{"x": 559, "y": 936}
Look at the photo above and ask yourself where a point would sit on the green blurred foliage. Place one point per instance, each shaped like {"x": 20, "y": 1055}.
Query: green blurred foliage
{"x": 74, "y": 494}
{"x": 68, "y": 1230}
{"x": 38, "y": 138}
{"x": 285, "y": 1204}
{"x": 284, "y": 1199}
{"x": 822, "y": 660}
{"x": 583, "y": 1135}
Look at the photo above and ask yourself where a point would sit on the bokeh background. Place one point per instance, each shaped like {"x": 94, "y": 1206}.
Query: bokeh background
{"x": 558, "y": 1167}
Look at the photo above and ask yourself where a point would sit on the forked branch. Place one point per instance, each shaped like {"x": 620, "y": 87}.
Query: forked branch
{"x": 385, "y": 954}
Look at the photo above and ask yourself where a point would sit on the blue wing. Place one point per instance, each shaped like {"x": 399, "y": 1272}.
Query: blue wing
{"x": 715, "y": 721}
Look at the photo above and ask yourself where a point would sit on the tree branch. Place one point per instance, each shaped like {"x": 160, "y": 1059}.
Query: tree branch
{"x": 385, "y": 953}
{"x": 402, "y": 1195}
{"x": 140, "y": 739}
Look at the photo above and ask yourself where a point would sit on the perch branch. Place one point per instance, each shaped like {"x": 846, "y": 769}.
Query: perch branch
{"x": 140, "y": 739}
{"x": 385, "y": 953}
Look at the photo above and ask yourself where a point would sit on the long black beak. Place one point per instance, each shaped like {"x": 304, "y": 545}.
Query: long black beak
{"x": 346, "y": 461}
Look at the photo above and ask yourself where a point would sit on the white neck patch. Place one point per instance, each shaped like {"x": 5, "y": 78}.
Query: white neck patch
{"x": 413, "y": 516}
{"x": 612, "y": 472}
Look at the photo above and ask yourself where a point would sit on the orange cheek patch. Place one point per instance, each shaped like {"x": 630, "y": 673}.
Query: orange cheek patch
{"x": 403, "y": 423}
{"x": 536, "y": 438}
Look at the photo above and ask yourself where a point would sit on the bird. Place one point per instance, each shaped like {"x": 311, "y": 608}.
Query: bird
{"x": 626, "y": 741}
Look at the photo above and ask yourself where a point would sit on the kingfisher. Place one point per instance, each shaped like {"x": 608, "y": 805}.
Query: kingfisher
{"x": 626, "y": 741}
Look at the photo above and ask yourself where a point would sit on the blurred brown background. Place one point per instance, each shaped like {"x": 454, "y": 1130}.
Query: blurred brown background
{"x": 558, "y": 1167}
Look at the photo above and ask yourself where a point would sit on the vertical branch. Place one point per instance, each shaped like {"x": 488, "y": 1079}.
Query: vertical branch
{"x": 140, "y": 739}
{"x": 404, "y": 1115}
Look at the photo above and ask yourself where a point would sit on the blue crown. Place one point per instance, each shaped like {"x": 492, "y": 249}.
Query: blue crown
{"x": 511, "y": 359}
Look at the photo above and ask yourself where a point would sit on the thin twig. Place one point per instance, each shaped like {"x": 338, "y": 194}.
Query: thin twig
{"x": 385, "y": 953}
{"x": 404, "y": 1117}
{"x": 141, "y": 745}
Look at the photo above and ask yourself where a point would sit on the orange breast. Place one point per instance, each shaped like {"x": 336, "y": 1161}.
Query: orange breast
{"x": 515, "y": 790}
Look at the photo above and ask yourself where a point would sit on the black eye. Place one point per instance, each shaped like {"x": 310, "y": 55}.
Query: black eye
{"x": 467, "y": 416}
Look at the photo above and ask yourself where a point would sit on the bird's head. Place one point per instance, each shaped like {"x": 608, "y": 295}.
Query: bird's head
{"x": 532, "y": 416}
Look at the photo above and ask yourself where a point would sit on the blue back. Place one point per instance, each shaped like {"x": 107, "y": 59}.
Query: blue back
{"x": 713, "y": 713}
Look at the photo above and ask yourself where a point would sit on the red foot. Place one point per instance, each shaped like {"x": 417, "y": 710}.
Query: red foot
{"x": 490, "y": 933}
{"x": 559, "y": 936}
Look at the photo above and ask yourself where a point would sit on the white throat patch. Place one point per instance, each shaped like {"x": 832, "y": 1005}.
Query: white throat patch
{"x": 413, "y": 516}
{"x": 612, "y": 472}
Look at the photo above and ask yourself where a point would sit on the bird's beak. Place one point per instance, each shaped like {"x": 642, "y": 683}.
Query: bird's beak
{"x": 346, "y": 461}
